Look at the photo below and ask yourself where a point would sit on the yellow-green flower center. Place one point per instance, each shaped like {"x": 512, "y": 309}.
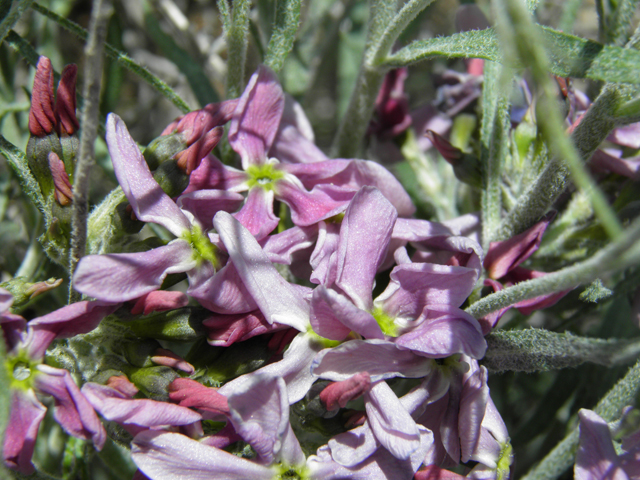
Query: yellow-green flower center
{"x": 386, "y": 322}
{"x": 287, "y": 472}
{"x": 325, "y": 342}
{"x": 504, "y": 461}
{"x": 203, "y": 249}
{"x": 264, "y": 175}
{"x": 21, "y": 371}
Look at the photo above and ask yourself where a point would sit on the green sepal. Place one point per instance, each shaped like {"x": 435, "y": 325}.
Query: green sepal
{"x": 182, "y": 324}
{"x": 171, "y": 179}
{"x": 163, "y": 148}
{"x": 153, "y": 382}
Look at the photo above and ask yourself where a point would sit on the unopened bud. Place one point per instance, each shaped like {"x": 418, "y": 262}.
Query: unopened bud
{"x": 63, "y": 192}
{"x": 153, "y": 381}
{"x": 466, "y": 167}
{"x": 65, "y": 110}
{"x": 171, "y": 178}
{"x": 182, "y": 324}
{"x": 163, "y": 149}
{"x": 23, "y": 290}
{"x": 42, "y": 120}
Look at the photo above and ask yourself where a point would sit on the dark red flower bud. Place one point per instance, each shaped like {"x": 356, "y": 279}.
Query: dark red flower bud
{"x": 465, "y": 166}
{"x": 65, "y": 111}
{"x": 392, "y": 106}
{"x": 42, "y": 120}
{"x": 62, "y": 186}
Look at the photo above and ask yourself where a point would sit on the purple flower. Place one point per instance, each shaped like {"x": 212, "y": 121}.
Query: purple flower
{"x": 26, "y": 345}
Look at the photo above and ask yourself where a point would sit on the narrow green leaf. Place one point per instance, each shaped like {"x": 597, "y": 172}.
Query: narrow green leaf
{"x": 25, "y": 49}
{"x": 11, "y": 15}
{"x": 621, "y": 20}
{"x": 18, "y": 163}
{"x": 187, "y": 65}
{"x": 535, "y": 350}
{"x": 569, "y": 56}
{"x": 283, "y": 34}
{"x": 120, "y": 57}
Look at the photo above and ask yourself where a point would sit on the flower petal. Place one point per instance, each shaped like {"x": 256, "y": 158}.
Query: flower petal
{"x": 149, "y": 202}
{"x": 124, "y": 276}
{"x": 204, "y": 204}
{"x": 256, "y": 215}
{"x": 22, "y": 429}
{"x": 596, "y": 458}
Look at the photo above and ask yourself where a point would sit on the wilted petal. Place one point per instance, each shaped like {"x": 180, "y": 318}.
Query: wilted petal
{"x": 390, "y": 422}
{"x": 149, "y": 202}
{"x": 445, "y": 331}
{"x": 25, "y": 416}
{"x": 124, "y": 276}
{"x": 72, "y": 410}
{"x": 115, "y": 406}
{"x": 379, "y": 358}
{"x": 204, "y": 204}
{"x": 596, "y": 458}
{"x": 257, "y": 214}
{"x": 167, "y": 456}
{"x": 278, "y": 301}
{"x": 255, "y": 122}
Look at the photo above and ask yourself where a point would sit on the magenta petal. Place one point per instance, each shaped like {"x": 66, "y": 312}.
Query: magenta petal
{"x": 22, "y": 429}
{"x": 225, "y": 330}
{"x": 115, "y": 406}
{"x": 72, "y": 410}
{"x": 260, "y": 414}
{"x": 149, "y": 202}
{"x": 68, "y": 321}
{"x": 390, "y": 422}
{"x": 256, "y": 214}
{"x": 278, "y": 301}
{"x": 168, "y": 456}
{"x": 124, "y": 276}
{"x": 379, "y": 358}
{"x": 364, "y": 238}
{"x": 330, "y": 307}
{"x": 445, "y": 331}
{"x": 308, "y": 208}
{"x": 212, "y": 174}
{"x": 224, "y": 292}
{"x": 354, "y": 174}
{"x": 508, "y": 254}
{"x": 282, "y": 246}
{"x": 204, "y": 204}
{"x": 596, "y": 458}
{"x": 255, "y": 122}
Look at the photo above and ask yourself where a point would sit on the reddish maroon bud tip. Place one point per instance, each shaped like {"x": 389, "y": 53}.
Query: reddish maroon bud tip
{"x": 66, "y": 102}
{"x": 42, "y": 120}
{"x": 122, "y": 385}
{"x": 450, "y": 153}
{"x": 338, "y": 394}
{"x": 63, "y": 191}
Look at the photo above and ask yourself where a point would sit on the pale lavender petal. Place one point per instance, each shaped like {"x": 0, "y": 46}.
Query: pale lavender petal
{"x": 445, "y": 331}
{"x": 255, "y": 122}
{"x": 257, "y": 214}
{"x": 224, "y": 292}
{"x": 364, "y": 238}
{"x": 391, "y": 424}
{"x": 627, "y": 135}
{"x": 331, "y": 308}
{"x": 277, "y": 300}
{"x": 260, "y": 413}
{"x": 68, "y": 321}
{"x": 124, "y": 276}
{"x": 308, "y": 208}
{"x": 291, "y": 452}
{"x": 115, "y": 406}
{"x": 281, "y": 246}
{"x": 72, "y": 410}
{"x": 323, "y": 258}
{"x": 596, "y": 458}
{"x": 353, "y": 447}
{"x": 149, "y": 202}
{"x": 414, "y": 285}
{"x": 354, "y": 174}
{"x": 204, "y": 204}
{"x": 6, "y": 300}
{"x": 168, "y": 456}
{"x": 295, "y": 368}
{"x": 213, "y": 174}
{"x": 473, "y": 405}
{"x": 25, "y": 416}
{"x": 379, "y": 358}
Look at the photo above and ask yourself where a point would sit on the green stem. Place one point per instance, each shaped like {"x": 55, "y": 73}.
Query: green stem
{"x": 237, "y": 41}
{"x": 33, "y": 259}
{"x": 355, "y": 122}
{"x": 16, "y": 159}
{"x": 608, "y": 260}
{"x": 100, "y": 13}
{"x": 120, "y": 57}
{"x": 284, "y": 33}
